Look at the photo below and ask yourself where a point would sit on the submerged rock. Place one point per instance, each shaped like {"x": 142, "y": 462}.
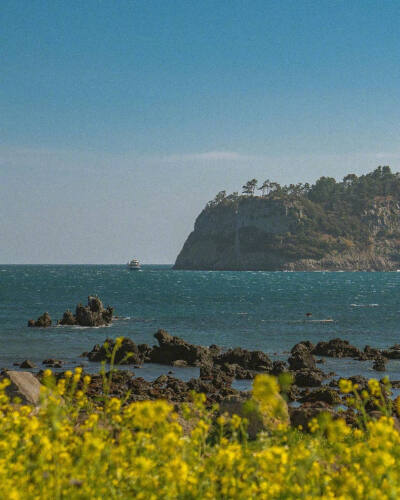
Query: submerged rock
{"x": 43, "y": 321}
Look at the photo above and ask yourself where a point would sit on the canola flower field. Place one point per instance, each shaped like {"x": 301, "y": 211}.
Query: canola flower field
{"x": 74, "y": 448}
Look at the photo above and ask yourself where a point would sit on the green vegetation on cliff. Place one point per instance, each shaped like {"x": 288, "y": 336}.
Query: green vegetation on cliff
{"x": 353, "y": 224}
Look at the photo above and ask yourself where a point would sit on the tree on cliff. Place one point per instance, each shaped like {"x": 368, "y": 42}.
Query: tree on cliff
{"x": 250, "y": 187}
{"x": 349, "y": 180}
{"x": 350, "y": 196}
{"x": 219, "y": 198}
{"x": 323, "y": 189}
{"x": 275, "y": 187}
{"x": 265, "y": 186}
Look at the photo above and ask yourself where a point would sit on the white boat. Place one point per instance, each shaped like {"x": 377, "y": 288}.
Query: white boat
{"x": 134, "y": 265}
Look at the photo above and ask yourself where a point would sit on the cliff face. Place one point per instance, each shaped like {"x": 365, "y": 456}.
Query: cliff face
{"x": 274, "y": 234}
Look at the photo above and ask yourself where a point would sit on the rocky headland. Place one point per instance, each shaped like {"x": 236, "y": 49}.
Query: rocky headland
{"x": 352, "y": 225}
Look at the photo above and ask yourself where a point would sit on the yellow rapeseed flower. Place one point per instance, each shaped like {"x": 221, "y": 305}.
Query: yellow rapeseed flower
{"x": 346, "y": 386}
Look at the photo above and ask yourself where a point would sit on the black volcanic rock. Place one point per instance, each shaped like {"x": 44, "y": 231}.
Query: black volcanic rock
{"x": 128, "y": 353}
{"x": 379, "y": 364}
{"x": 124, "y": 383}
{"x": 171, "y": 349}
{"x": 302, "y": 415}
{"x": 393, "y": 352}
{"x": 53, "y": 363}
{"x": 94, "y": 314}
{"x": 27, "y": 364}
{"x": 308, "y": 378}
{"x": 337, "y": 348}
{"x": 216, "y": 375}
{"x": 235, "y": 363}
{"x": 43, "y": 321}
{"x": 325, "y": 394}
{"x": 371, "y": 353}
{"x": 301, "y": 357}
{"x": 250, "y": 360}
{"x": 67, "y": 319}
{"x": 279, "y": 367}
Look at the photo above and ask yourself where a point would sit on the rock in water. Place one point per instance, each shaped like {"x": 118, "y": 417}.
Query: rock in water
{"x": 308, "y": 378}
{"x": 67, "y": 319}
{"x": 379, "y": 364}
{"x": 393, "y": 352}
{"x": 24, "y": 386}
{"x": 337, "y": 348}
{"x": 128, "y": 353}
{"x": 278, "y": 367}
{"x": 93, "y": 314}
{"x": 301, "y": 357}
{"x": 250, "y": 360}
{"x": 53, "y": 363}
{"x": 43, "y": 321}
{"x": 217, "y": 376}
{"x": 27, "y": 364}
{"x": 172, "y": 349}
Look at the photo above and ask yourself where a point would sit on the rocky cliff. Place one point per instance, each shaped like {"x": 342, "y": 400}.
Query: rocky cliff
{"x": 261, "y": 233}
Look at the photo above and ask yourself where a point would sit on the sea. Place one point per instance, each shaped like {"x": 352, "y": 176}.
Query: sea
{"x": 254, "y": 310}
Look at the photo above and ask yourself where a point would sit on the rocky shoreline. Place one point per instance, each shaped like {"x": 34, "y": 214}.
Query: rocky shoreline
{"x": 312, "y": 390}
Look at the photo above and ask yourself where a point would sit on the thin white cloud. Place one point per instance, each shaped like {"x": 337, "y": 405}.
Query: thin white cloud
{"x": 62, "y": 158}
{"x": 209, "y": 156}
{"x": 285, "y": 165}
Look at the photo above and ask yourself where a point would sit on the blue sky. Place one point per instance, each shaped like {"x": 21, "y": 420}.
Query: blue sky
{"x": 119, "y": 120}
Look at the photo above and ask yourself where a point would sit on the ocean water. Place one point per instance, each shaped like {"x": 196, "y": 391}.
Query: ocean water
{"x": 255, "y": 310}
